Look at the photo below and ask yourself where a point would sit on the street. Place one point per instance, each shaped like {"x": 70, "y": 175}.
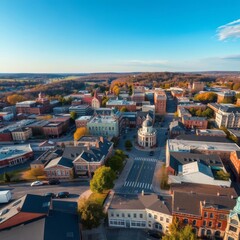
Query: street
{"x": 74, "y": 188}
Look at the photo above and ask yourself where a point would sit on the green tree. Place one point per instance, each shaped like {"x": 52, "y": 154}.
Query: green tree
{"x": 102, "y": 179}
{"x": 91, "y": 213}
{"x": 6, "y": 177}
{"x": 73, "y": 115}
{"x": 115, "y": 163}
{"x": 128, "y": 144}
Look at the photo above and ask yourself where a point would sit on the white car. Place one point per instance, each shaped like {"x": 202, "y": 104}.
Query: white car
{"x": 36, "y": 183}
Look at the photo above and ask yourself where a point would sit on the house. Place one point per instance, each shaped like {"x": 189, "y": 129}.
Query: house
{"x": 21, "y": 134}
{"x": 81, "y": 160}
{"x": 144, "y": 211}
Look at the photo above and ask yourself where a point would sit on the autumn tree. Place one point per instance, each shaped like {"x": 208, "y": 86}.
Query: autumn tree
{"x": 102, "y": 179}
{"x": 13, "y": 99}
{"x": 79, "y": 133}
{"x": 179, "y": 232}
{"x": 206, "y": 97}
{"x": 123, "y": 109}
{"x": 73, "y": 115}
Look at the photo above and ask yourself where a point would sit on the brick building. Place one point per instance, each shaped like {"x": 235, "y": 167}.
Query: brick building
{"x": 82, "y": 121}
{"x": 195, "y": 122}
{"x": 160, "y": 101}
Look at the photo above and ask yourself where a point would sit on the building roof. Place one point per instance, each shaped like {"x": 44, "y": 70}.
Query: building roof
{"x": 84, "y": 118}
{"x": 13, "y": 151}
{"x": 176, "y": 125}
{"x": 198, "y": 138}
{"x": 209, "y": 132}
{"x": 134, "y": 201}
{"x": 181, "y": 158}
{"x": 190, "y": 202}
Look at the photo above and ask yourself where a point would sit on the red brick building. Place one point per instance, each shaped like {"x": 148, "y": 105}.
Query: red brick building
{"x": 204, "y": 207}
{"x": 130, "y": 105}
{"x": 160, "y": 101}
{"x": 235, "y": 164}
{"x": 195, "y": 122}
{"x": 82, "y": 121}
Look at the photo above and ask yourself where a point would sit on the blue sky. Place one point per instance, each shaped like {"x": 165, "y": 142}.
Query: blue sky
{"x": 119, "y": 35}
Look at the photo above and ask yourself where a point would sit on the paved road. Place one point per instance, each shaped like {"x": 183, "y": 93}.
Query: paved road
{"x": 140, "y": 176}
{"x": 74, "y": 188}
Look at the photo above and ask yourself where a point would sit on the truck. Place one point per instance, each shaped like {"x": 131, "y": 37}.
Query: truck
{"x": 5, "y": 196}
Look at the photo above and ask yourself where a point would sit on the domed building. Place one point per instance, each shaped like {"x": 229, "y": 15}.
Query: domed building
{"x": 147, "y": 135}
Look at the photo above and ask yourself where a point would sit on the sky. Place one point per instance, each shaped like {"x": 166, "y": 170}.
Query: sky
{"x": 80, "y": 36}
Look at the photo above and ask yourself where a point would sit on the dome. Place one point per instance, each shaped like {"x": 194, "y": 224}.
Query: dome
{"x": 147, "y": 122}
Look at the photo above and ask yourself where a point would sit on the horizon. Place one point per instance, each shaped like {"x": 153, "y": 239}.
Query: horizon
{"x": 58, "y": 36}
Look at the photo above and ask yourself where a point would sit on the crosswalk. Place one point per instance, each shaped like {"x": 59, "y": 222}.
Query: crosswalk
{"x": 145, "y": 159}
{"x": 138, "y": 185}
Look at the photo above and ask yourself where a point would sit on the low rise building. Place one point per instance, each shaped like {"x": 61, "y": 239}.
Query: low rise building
{"x": 140, "y": 211}
{"x": 195, "y": 122}
{"x": 82, "y": 121}
{"x": 15, "y": 154}
{"x": 198, "y": 86}
{"x": 211, "y": 132}
{"x": 226, "y": 96}
{"x": 21, "y": 134}
{"x": 176, "y": 128}
{"x": 81, "y": 110}
{"x": 130, "y": 105}
{"x": 107, "y": 126}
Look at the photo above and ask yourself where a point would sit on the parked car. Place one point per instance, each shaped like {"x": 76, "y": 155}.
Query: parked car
{"x": 63, "y": 195}
{"x": 54, "y": 182}
{"x": 36, "y": 183}
{"x": 151, "y": 153}
{"x": 50, "y": 194}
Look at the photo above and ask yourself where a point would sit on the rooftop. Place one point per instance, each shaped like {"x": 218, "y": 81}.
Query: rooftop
{"x": 12, "y": 151}
{"x": 119, "y": 102}
{"x": 103, "y": 119}
{"x": 84, "y": 118}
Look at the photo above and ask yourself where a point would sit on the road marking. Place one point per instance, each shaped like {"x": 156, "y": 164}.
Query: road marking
{"x": 141, "y": 184}
{"x": 148, "y": 185}
{"x": 151, "y": 187}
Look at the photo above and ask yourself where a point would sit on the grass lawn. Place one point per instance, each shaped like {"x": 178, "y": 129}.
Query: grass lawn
{"x": 98, "y": 197}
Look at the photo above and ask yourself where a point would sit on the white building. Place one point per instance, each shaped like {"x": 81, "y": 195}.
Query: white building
{"x": 147, "y": 135}
{"x": 140, "y": 211}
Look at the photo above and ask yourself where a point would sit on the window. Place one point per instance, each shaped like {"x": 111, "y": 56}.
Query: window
{"x": 204, "y": 223}
{"x": 185, "y": 221}
{"x": 155, "y": 216}
{"x": 194, "y": 222}
{"x": 149, "y": 215}
{"x": 219, "y": 224}
{"x": 129, "y": 215}
{"x": 117, "y": 215}
{"x": 112, "y": 214}
{"x": 205, "y": 214}
{"x": 233, "y": 229}
{"x": 210, "y": 224}
{"x": 161, "y": 218}
{"x": 167, "y": 220}
{"x": 233, "y": 221}
{"x": 140, "y": 215}
{"x": 123, "y": 215}
{"x": 134, "y": 215}
{"x": 211, "y": 215}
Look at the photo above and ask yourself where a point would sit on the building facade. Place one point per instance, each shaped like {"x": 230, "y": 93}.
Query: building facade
{"x": 160, "y": 101}
{"x": 147, "y": 135}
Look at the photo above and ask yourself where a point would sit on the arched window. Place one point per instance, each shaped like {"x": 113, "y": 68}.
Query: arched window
{"x": 209, "y": 233}
{"x": 158, "y": 226}
{"x": 217, "y": 234}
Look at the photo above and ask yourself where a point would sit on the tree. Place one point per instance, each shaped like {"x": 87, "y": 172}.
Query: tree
{"x": 164, "y": 178}
{"x": 91, "y": 213}
{"x": 13, "y": 99}
{"x": 104, "y": 101}
{"x": 102, "y": 179}
{"x": 73, "y": 115}
{"x": 128, "y": 144}
{"x": 79, "y": 133}
{"x": 179, "y": 232}
{"x": 124, "y": 109}
{"x": 34, "y": 173}
{"x": 115, "y": 163}
{"x": 6, "y": 177}
{"x": 206, "y": 97}
{"x": 120, "y": 153}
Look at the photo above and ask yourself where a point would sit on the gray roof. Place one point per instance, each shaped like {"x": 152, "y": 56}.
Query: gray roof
{"x": 180, "y": 158}
{"x": 134, "y": 201}
{"x": 189, "y": 202}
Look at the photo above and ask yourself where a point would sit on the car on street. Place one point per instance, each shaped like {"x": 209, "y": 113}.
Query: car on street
{"x": 50, "y": 194}
{"x": 36, "y": 183}
{"x": 54, "y": 182}
{"x": 63, "y": 195}
{"x": 151, "y": 153}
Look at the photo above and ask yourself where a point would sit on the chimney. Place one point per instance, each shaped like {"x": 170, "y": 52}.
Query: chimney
{"x": 142, "y": 192}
